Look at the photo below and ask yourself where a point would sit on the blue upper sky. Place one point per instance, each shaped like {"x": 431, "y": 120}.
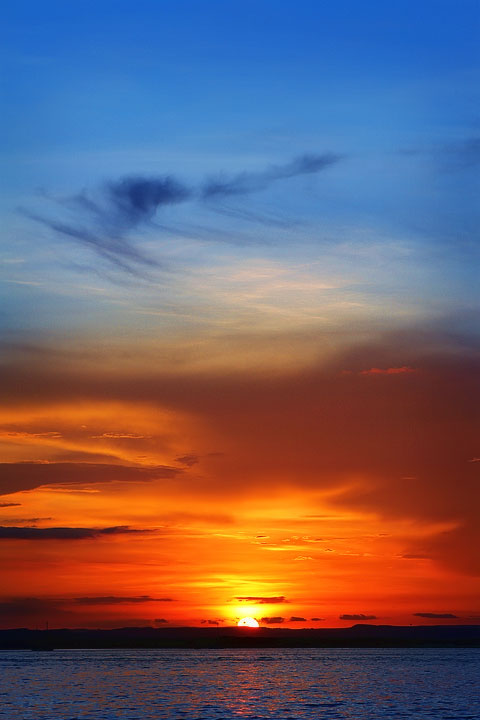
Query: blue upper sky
{"x": 97, "y": 91}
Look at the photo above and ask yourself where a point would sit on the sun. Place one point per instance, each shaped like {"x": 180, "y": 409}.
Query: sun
{"x": 248, "y": 622}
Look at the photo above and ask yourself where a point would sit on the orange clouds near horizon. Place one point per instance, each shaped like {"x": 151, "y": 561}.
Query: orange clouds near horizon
{"x": 185, "y": 497}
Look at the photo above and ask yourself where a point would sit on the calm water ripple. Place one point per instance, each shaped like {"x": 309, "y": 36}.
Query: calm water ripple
{"x": 294, "y": 684}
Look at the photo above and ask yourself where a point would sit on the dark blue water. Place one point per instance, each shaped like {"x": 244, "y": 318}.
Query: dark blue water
{"x": 214, "y": 684}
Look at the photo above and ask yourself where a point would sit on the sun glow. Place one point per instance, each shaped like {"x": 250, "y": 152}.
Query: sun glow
{"x": 248, "y": 622}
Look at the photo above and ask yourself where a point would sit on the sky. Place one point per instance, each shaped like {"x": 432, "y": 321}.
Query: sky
{"x": 239, "y": 335}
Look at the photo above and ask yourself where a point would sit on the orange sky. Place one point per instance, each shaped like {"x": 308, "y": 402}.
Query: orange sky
{"x": 342, "y": 488}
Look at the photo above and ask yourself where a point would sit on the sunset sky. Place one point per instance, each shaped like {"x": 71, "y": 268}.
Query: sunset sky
{"x": 239, "y": 313}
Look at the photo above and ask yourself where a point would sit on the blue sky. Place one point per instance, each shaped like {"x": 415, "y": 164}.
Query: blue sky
{"x": 98, "y": 91}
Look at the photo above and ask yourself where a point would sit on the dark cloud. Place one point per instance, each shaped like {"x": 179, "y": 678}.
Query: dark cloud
{"x": 134, "y": 200}
{"x": 357, "y": 616}
{"x": 103, "y": 220}
{"x": 262, "y": 600}
{"x": 63, "y": 533}
{"x": 438, "y": 616}
{"x": 251, "y": 182}
{"x": 29, "y": 475}
{"x": 4, "y": 505}
{"x": 161, "y": 621}
{"x": 315, "y": 619}
{"x": 294, "y": 618}
{"x": 25, "y": 521}
{"x": 118, "y": 599}
{"x": 188, "y": 460}
{"x": 276, "y": 620}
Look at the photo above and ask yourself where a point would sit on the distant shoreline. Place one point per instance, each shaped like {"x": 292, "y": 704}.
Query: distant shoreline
{"x": 358, "y": 636}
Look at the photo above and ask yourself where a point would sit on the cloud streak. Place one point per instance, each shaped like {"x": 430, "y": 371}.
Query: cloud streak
{"x": 64, "y": 533}
{"x": 102, "y": 220}
{"x": 262, "y": 600}
{"x": 437, "y": 616}
{"x": 119, "y": 600}
{"x": 30, "y": 475}
{"x": 246, "y": 183}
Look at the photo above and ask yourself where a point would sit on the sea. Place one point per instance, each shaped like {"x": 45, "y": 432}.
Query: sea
{"x": 253, "y": 684}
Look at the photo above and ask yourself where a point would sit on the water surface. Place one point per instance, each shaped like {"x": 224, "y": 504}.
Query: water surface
{"x": 282, "y": 684}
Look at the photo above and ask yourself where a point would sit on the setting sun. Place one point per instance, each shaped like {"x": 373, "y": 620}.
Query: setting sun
{"x": 248, "y": 622}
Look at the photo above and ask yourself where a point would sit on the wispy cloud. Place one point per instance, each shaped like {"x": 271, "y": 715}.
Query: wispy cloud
{"x": 262, "y": 600}
{"x": 250, "y": 182}
{"x": 63, "y": 533}
{"x": 119, "y": 600}
{"x": 102, "y": 220}
{"x": 357, "y": 616}
{"x": 437, "y": 616}
{"x": 30, "y": 475}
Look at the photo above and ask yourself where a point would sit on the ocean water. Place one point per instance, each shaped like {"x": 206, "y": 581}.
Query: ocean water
{"x": 225, "y": 684}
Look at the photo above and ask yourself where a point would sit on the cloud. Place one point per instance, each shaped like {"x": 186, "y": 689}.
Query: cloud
{"x": 118, "y": 599}
{"x": 188, "y": 460}
{"x": 30, "y": 475}
{"x": 52, "y": 435}
{"x": 260, "y": 600}
{"x": 119, "y": 436}
{"x": 103, "y": 220}
{"x": 276, "y": 620}
{"x": 63, "y": 533}
{"x": 326, "y": 429}
{"x": 357, "y": 616}
{"x": 161, "y": 621}
{"x": 303, "y": 557}
{"x": 246, "y": 183}
{"x": 134, "y": 200}
{"x": 317, "y": 619}
{"x": 25, "y": 521}
{"x": 438, "y": 616}
{"x": 9, "y": 504}
{"x": 294, "y": 618}
{"x": 388, "y": 371}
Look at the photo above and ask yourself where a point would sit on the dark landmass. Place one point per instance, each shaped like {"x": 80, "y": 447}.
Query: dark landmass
{"x": 361, "y": 636}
